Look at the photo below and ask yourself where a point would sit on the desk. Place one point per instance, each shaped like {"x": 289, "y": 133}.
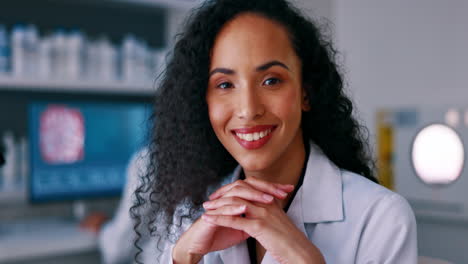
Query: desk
{"x": 44, "y": 240}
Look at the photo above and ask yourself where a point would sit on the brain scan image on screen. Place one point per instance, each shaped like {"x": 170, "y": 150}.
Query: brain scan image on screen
{"x": 62, "y": 135}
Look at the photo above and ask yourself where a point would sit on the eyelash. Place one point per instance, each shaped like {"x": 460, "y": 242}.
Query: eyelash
{"x": 276, "y": 81}
{"x": 223, "y": 83}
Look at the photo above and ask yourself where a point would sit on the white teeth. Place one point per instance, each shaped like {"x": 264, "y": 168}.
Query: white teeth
{"x": 254, "y": 136}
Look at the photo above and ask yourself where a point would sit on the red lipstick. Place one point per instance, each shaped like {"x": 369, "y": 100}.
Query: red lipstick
{"x": 255, "y": 144}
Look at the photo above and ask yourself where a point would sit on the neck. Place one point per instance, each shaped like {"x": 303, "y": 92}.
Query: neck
{"x": 287, "y": 168}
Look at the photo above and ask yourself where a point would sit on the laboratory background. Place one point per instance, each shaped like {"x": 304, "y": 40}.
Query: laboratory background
{"x": 76, "y": 84}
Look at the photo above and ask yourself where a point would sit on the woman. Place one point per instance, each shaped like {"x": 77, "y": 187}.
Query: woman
{"x": 256, "y": 156}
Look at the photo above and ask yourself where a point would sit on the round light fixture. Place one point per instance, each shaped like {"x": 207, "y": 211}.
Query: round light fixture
{"x": 438, "y": 155}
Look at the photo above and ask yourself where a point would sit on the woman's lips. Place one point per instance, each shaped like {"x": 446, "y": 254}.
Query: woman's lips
{"x": 245, "y": 136}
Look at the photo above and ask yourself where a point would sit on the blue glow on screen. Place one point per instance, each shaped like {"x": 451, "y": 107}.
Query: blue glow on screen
{"x": 82, "y": 150}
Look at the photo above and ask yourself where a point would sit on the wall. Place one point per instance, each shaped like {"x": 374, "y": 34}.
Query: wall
{"x": 403, "y": 53}
{"x": 408, "y": 53}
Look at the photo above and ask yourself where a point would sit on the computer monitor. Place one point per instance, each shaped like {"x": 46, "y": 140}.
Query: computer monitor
{"x": 80, "y": 150}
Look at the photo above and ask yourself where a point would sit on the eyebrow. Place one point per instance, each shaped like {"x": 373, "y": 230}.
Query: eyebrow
{"x": 260, "y": 68}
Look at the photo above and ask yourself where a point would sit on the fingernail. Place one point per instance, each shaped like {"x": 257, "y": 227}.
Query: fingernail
{"x": 281, "y": 192}
{"x": 268, "y": 197}
{"x": 207, "y": 205}
{"x": 288, "y": 186}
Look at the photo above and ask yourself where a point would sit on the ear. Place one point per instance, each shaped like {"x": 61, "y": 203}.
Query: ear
{"x": 305, "y": 101}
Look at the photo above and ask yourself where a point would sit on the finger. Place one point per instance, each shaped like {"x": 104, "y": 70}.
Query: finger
{"x": 278, "y": 190}
{"x": 239, "y": 197}
{"x": 234, "y": 222}
{"x": 250, "y": 194}
{"x": 218, "y": 193}
{"x": 228, "y": 210}
{"x": 225, "y": 201}
{"x": 267, "y": 187}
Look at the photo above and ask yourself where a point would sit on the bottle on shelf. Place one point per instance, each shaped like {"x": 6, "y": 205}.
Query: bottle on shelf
{"x": 44, "y": 60}
{"x": 129, "y": 57}
{"x": 30, "y": 47}
{"x": 58, "y": 54}
{"x": 107, "y": 60}
{"x": 74, "y": 55}
{"x": 71, "y": 55}
{"x": 18, "y": 50}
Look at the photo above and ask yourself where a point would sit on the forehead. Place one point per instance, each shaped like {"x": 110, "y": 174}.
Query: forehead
{"x": 252, "y": 38}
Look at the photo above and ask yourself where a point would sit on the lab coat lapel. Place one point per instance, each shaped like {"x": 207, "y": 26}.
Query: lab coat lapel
{"x": 322, "y": 199}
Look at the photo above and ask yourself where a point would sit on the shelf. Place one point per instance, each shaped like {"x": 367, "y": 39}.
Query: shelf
{"x": 176, "y": 4}
{"x": 78, "y": 86}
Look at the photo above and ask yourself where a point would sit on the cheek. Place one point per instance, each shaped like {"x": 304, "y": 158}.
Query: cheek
{"x": 288, "y": 106}
{"x": 219, "y": 115}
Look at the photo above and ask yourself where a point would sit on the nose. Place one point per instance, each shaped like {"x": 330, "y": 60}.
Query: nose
{"x": 249, "y": 105}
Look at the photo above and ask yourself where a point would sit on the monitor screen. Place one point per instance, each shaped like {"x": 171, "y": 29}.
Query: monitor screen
{"x": 81, "y": 150}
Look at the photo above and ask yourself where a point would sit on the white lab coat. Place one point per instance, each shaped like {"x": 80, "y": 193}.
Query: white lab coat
{"x": 349, "y": 218}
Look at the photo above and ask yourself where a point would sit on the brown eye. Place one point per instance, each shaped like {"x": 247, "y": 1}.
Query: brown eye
{"x": 271, "y": 81}
{"x": 224, "y": 85}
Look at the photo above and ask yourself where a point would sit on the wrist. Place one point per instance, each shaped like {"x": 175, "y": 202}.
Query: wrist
{"x": 182, "y": 256}
{"x": 314, "y": 257}
{"x": 306, "y": 252}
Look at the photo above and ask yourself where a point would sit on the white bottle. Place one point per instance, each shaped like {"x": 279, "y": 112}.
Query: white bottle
{"x": 58, "y": 55}
{"x": 74, "y": 54}
{"x": 92, "y": 65}
{"x": 128, "y": 56}
{"x": 31, "y": 48}
{"x": 18, "y": 52}
{"x": 139, "y": 63}
{"x": 106, "y": 60}
{"x": 4, "y": 51}
{"x": 114, "y": 62}
{"x": 9, "y": 168}
{"x": 44, "y": 63}
{"x": 143, "y": 61}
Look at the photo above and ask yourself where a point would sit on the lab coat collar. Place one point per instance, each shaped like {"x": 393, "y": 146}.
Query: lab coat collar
{"x": 319, "y": 199}
{"x": 322, "y": 190}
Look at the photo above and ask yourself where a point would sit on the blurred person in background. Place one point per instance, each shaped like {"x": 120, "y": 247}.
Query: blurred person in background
{"x": 256, "y": 155}
{"x": 116, "y": 236}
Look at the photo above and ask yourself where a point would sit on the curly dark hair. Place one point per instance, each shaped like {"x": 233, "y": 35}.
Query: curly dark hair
{"x": 185, "y": 156}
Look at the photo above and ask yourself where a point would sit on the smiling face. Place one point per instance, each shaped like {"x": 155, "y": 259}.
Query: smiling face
{"x": 254, "y": 95}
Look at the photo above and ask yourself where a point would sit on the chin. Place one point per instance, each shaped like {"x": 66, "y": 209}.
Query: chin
{"x": 253, "y": 163}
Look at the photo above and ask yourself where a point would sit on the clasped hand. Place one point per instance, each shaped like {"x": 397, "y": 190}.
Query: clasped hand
{"x": 245, "y": 208}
